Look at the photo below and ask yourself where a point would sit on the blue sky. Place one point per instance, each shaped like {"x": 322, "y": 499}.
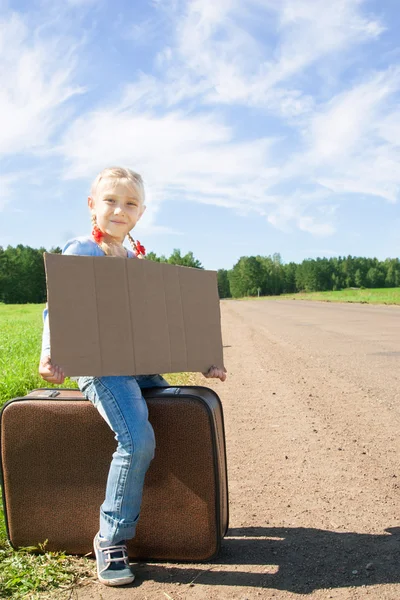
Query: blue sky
{"x": 259, "y": 126}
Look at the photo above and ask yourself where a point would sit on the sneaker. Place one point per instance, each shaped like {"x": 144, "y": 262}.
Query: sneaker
{"x": 112, "y": 562}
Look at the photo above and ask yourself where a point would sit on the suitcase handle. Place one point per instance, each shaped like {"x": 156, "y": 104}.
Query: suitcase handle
{"x": 50, "y": 394}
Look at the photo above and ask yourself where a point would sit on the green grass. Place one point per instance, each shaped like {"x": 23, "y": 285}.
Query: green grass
{"x": 25, "y": 574}
{"x": 20, "y": 344}
{"x": 35, "y": 573}
{"x": 363, "y": 296}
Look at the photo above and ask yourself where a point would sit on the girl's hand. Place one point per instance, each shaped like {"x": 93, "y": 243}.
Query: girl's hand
{"x": 50, "y": 372}
{"x": 216, "y": 372}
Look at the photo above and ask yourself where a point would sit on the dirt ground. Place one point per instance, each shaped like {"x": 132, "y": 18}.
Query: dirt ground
{"x": 312, "y": 418}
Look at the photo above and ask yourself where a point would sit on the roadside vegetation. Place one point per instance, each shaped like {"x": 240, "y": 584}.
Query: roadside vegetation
{"x": 362, "y": 296}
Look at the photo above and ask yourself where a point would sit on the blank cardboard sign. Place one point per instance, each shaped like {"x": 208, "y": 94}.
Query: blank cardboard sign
{"x": 123, "y": 316}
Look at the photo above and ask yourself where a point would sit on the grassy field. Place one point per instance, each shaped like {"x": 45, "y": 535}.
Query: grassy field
{"x": 363, "y": 296}
{"x": 20, "y": 342}
{"x": 24, "y": 574}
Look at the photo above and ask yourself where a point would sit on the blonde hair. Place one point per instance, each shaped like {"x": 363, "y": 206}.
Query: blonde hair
{"x": 125, "y": 176}
{"x": 121, "y": 174}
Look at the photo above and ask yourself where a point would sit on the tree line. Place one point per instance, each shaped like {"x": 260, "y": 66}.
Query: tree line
{"x": 267, "y": 275}
{"x": 23, "y": 279}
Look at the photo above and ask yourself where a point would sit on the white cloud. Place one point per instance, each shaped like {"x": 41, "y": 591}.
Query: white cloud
{"x": 351, "y": 117}
{"x": 352, "y": 146}
{"x": 389, "y": 128}
{"x": 173, "y": 123}
{"x": 214, "y": 60}
{"x": 294, "y": 210}
{"x": 220, "y": 61}
{"x": 140, "y": 139}
{"x": 36, "y": 78}
{"x": 310, "y": 225}
{"x": 311, "y": 30}
{"x": 189, "y": 157}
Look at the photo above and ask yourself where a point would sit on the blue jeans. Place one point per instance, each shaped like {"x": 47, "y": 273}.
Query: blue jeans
{"x": 120, "y": 402}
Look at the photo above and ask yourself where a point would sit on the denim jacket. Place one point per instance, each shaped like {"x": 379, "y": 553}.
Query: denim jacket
{"x": 80, "y": 246}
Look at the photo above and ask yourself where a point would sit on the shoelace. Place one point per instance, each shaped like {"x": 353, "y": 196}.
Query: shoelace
{"x": 109, "y": 550}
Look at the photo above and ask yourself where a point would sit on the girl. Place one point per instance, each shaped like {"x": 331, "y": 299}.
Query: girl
{"x": 116, "y": 203}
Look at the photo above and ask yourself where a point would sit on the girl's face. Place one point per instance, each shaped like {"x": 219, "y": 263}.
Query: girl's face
{"x": 117, "y": 207}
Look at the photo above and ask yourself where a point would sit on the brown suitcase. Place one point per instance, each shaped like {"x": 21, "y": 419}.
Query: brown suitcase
{"x": 55, "y": 455}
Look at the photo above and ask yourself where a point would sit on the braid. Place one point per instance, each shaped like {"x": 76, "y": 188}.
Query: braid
{"x": 106, "y": 249}
{"x": 93, "y": 219}
{"x": 132, "y": 243}
{"x": 138, "y": 249}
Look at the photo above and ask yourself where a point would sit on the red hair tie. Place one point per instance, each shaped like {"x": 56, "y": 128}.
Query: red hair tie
{"x": 97, "y": 234}
{"x": 139, "y": 249}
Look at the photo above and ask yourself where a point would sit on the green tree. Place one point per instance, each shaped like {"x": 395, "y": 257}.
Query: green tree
{"x": 22, "y": 275}
{"x": 306, "y": 276}
{"x": 186, "y": 261}
{"x": 391, "y": 267}
{"x": 375, "y": 278}
{"x": 224, "y": 290}
{"x": 272, "y": 278}
{"x": 359, "y": 278}
{"x": 3, "y": 274}
{"x": 246, "y": 277}
{"x": 176, "y": 259}
{"x": 289, "y": 278}
{"x": 153, "y": 256}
